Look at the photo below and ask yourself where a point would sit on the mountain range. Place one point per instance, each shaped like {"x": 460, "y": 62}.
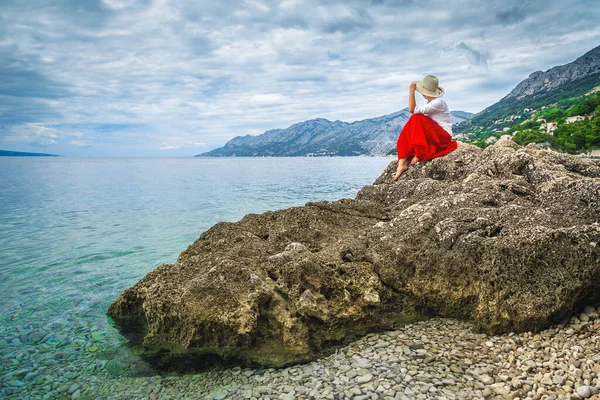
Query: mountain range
{"x": 538, "y": 90}
{"x": 539, "y": 82}
{"x": 321, "y": 137}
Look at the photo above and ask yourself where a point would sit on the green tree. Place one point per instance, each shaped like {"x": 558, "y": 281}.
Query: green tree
{"x": 532, "y": 136}
{"x": 587, "y": 106}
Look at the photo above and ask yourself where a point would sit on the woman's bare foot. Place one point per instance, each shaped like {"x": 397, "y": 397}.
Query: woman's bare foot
{"x": 401, "y": 168}
{"x": 414, "y": 160}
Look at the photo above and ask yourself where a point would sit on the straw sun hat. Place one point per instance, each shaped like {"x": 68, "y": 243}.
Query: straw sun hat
{"x": 429, "y": 86}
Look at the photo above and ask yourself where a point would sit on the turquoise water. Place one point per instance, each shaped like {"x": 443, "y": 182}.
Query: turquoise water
{"x": 76, "y": 232}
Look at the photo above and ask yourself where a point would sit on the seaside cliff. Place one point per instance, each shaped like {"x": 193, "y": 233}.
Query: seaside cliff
{"x": 506, "y": 238}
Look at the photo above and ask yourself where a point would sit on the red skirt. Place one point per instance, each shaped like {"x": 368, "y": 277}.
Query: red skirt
{"x": 424, "y": 138}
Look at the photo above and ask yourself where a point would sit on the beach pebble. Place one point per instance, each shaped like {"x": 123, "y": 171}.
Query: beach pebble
{"x": 584, "y": 391}
{"x": 73, "y": 388}
{"x": 36, "y": 336}
{"x": 219, "y": 394}
{"x": 364, "y": 378}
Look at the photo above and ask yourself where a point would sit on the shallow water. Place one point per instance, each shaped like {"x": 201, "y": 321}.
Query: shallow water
{"x": 76, "y": 232}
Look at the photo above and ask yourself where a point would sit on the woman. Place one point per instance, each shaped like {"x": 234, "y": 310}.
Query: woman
{"x": 427, "y": 133}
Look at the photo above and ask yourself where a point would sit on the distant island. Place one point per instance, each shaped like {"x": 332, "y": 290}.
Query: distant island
{"x": 6, "y": 153}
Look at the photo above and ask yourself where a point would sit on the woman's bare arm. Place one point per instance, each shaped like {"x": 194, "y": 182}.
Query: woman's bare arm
{"x": 412, "y": 103}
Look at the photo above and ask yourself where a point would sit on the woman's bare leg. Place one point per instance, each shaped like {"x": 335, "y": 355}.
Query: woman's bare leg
{"x": 402, "y": 166}
{"x": 414, "y": 160}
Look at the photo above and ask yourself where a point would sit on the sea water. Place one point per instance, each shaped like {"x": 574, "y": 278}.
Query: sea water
{"x": 76, "y": 232}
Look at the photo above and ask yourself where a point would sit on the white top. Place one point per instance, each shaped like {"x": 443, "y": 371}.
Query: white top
{"x": 437, "y": 110}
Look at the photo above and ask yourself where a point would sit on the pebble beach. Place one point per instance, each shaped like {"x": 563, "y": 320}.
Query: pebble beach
{"x": 440, "y": 359}
{"x": 435, "y": 359}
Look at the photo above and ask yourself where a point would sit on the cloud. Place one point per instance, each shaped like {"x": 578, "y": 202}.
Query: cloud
{"x": 344, "y": 19}
{"x": 80, "y": 143}
{"x": 119, "y": 4}
{"x": 177, "y": 143}
{"x": 42, "y": 142}
{"x": 134, "y": 77}
{"x": 33, "y": 134}
{"x": 511, "y": 15}
{"x": 480, "y": 58}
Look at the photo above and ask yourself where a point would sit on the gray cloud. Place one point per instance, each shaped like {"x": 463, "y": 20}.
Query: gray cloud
{"x": 132, "y": 77}
{"x": 511, "y": 15}
{"x": 357, "y": 20}
{"x": 25, "y": 81}
{"x": 477, "y": 57}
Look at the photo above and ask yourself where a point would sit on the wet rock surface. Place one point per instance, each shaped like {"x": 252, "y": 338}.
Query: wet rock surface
{"x": 506, "y": 238}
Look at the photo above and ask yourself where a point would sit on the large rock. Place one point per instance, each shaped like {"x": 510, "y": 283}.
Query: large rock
{"x": 506, "y": 237}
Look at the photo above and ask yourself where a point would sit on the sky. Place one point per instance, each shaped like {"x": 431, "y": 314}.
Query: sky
{"x": 176, "y": 78}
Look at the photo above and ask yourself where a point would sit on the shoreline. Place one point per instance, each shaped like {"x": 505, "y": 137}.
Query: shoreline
{"x": 439, "y": 358}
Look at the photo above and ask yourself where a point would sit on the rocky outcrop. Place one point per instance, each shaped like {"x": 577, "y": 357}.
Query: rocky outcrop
{"x": 586, "y": 65}
{"x": 505, "y": 237}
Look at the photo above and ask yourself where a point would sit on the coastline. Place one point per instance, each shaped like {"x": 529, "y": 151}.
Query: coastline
{"x": 439, "y": 358}
{"x": 434, "y": 359}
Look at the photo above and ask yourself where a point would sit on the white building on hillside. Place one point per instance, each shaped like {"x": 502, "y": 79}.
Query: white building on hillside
{"x": 576, "y": 118}
{"x": 551, "y": 127}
